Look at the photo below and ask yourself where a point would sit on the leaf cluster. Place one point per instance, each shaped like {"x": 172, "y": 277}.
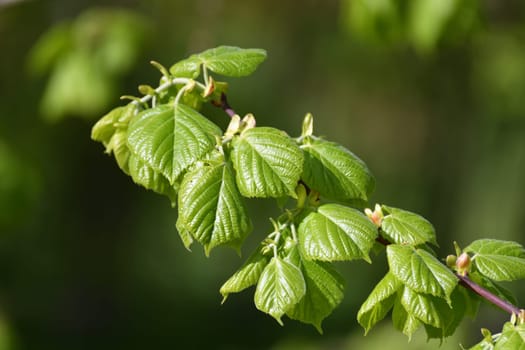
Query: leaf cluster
{"x": 164, "y": 143}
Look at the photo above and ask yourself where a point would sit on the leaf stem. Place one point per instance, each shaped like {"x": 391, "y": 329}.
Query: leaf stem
{"x": 166, "y": 85}
{"x": 485, "y": 294}
{"x": 223, "y": 103}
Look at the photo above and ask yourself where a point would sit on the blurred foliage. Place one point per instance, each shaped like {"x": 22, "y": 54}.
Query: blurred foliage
{"x": 423, "y": 24}
{"x": 19, "y": 186}
{"x": 85, "y": 57}
{"x": 438, "y": 119}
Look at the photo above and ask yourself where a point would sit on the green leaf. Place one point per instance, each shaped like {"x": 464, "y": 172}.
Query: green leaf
{"x": 267, "y": 163}
{"x": 50, "y": 47}
{"x": 421, "y": 271}
{"x": 498, "y": 260}
{"x": 118, "y": 145}
{"x": 225, "y": 60}
{"x": 324, "y": 292}
{"x": 105, "y": 128}
{"x": 169, "y": 139}
{"x": 280, "y": 287}
{"x": 404, "y": 227}
{"x": 336, "y": 232}
{"x": 188, "y": 68}
{"x": 451, "y": 316}
{"x": 211, "y": 208}
{"x": 403, "y": 321}
{"x": 335, "y": 172}
{"x": 247, "y": 275}
{"x": 426, "y": 308}
{"x": 512, "y": 337}
{"x": 232, "y": 61}
{"x": 379, "y": 302}
{"x": 144, "y": 175}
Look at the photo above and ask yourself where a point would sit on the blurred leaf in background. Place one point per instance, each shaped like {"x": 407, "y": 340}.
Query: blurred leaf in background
{"x": 421, "y": 24}
{"x": 85, "y": 59}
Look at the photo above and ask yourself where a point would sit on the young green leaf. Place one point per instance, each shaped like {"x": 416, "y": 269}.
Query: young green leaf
{"x": 335, "y": 172}
{"x": 403, "y": 321}
{"x": 171, "y": 138}
{"x": 336, "y": 232}
{"x": 105, "y": 127}
{"x": 379, "y": 302}
{"x": 426, "y": 308}
{"x": 451, "y": 316}
{"x": 187, "y": 68}
{"x": 232, "y": 61}
{"x": 420, "y": 271}
{"x": 267, "y": 163}
{"x": 247, "y": 275}
{"x": 404, "y": 227}
{"x": 324, "y": 291}
{"x": 211, "y": 208}
{"x": 498, "y": 260}
{"x": 280, "y": 287}
{"x": 512, "y": 337}
{"x": 144, "y": 175}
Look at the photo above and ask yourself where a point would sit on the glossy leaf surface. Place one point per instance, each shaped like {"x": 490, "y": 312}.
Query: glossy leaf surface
{"x": 170, "y": 139}
{"x": 336, "y": 232}
{"x": 335, "y": 172}
{"x": 280, "y": 287}
{"x": 267, "y": 163}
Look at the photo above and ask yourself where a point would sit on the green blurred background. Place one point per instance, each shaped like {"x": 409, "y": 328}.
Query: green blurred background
{"x": 430, "y": 93}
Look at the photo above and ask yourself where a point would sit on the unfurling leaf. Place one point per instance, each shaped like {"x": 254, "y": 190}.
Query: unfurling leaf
{"x": 211, "y": 208}
{"x": 280, "y": 287}
{"x": 420, "y": 271}
{"x": 498, "y": 260}
{"x": 404, "y": 227}
{"x": 267, "y": 163}
{"x": 336, "y": 232}
{"x": 335, "y": 172}
{"x": 171, "y": 138}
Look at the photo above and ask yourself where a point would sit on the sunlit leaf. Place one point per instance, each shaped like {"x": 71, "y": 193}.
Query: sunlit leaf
{"x": 247, "y": 275}
{"x": 211, "y": 208}
{"x": 421, "y": 271}
{"x": 404, "y": 227}
{"x": 324, "y": 292}
{"x": 379, "y": 302}
{"x": 335, "y": 172}
{"x": 424, "y": 307}
{"x": 512, "y": 337}
{"x": 267, "y": 163}
{"x": 280, "y": 287}
{"x": 498, "y": 260}
{"x": 336, "y": 232}
{"x": 170, "y": 139}
{"x": 232, "y": 61}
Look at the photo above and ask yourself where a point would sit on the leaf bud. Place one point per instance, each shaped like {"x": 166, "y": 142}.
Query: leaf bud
{"x": 376, "y": 216}
{"x": 463, "y": 264}
{"x": 451, "y": 260}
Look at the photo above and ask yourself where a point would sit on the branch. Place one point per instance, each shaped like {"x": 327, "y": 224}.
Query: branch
{"x": 476, "y": 288}
{"x": 488, "y": 296}
{"x": 223, "y": 103}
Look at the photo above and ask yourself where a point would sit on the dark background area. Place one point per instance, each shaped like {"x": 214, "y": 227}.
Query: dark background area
{"x": 432, "y": 98}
